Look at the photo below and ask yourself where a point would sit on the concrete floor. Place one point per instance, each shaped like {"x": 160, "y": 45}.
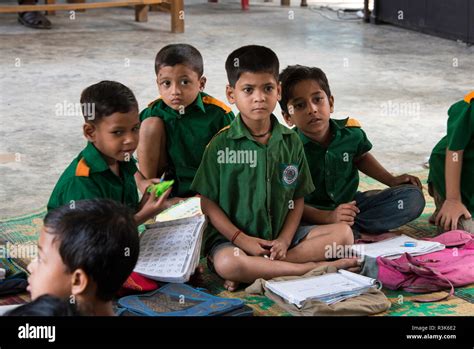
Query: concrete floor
{"x": 373, "y": 71}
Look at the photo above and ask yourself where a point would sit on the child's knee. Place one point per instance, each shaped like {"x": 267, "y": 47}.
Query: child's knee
{"x": 415, "y": 200}
{"x": 153, "y": 126}
{"x": 345, "y": 234}
{"x": 228, "y": 264}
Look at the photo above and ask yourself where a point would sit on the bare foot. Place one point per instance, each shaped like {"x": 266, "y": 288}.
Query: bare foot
{"x": 231, "y": 286}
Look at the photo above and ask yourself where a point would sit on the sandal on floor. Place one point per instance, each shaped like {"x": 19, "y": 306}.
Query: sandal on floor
{"x": 34, "y": 20}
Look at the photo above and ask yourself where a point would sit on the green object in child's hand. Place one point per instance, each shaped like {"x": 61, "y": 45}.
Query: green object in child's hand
{"x": 159, "y": 188}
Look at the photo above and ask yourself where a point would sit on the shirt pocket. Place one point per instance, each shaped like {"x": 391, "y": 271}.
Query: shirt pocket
{"x": 343, "y": 169}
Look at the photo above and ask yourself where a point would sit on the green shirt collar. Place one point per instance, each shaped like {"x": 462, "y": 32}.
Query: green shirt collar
{"x": 335, "y": 126}
{"x": 97, "y": 163}
{"x": 239, "y": 130}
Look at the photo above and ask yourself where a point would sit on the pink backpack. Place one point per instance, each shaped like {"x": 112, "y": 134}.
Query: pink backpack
{"x": 446, "y": 269}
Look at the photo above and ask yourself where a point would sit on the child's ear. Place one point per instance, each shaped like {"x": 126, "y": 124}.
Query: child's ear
{"x": 287, "y": 118}
{"x": 89, "y": 131}
{"x": 229, "y": 92}
{"x": 79, "y": 282}
{"x": 331, "y": 103}
{"x": 279, "y": 90}
{"x": 202, "y": 83}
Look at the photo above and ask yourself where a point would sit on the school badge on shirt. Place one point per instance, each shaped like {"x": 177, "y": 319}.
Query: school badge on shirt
{"x": 289, "y": 174}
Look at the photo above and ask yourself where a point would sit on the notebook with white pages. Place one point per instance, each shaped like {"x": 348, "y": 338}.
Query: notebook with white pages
{"x": 329, "y": 288}
{"x": 186, "y": 208}
{"x": 396, "y": 247}
{"x": 170, "y": 251}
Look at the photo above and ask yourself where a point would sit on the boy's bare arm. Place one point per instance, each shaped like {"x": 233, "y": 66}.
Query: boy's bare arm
{"x": 453, "y": 208}
{"x": 218, "y": 218}
{"x": 344, "y": 213}
{"x": 453, "y": 168}
{"x": 292, "y": 221}
{"x": 252, "y": 245}
{"x": 314, "y": 215}
{"x": 369, "y": 165}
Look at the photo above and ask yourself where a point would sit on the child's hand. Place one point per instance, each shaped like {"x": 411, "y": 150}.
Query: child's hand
{"x": 344, "y": 213}
{"x": 143, "y": 184}
{"x": 405, "y": 179}
{"x": 254, "y": 246}
{"x": 278, "y": 250}
{"x": 151, "y": 205}
{"x": 451, "y": 211}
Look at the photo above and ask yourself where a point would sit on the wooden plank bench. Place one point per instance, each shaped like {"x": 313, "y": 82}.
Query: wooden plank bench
{"x": 174, "y": 7}
{"x": 246, "y": 6}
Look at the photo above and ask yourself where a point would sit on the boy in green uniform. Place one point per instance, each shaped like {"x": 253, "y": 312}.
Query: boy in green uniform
{"x": 253, "y": 178}
{"x": 176, "y": 128}
{"x": 451, "y": 178}
{"x": 106, "y": 168}
{"x": 336, "y": 150}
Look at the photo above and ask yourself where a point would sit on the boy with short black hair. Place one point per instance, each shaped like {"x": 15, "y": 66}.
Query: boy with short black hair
{"x": 336, "y": 150}
{"x": 106, "y": 167}
{"x": 452, "y": 170}
{"x": 85, "y": 254}
{"x": 176, "y": 127}
{"x": 253, "y": 178}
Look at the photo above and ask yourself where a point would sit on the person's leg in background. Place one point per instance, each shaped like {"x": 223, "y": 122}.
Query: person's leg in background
{"x": 33, "y": 19}
{"x": 463, "y": 224}
{"x": 383, "y": 210}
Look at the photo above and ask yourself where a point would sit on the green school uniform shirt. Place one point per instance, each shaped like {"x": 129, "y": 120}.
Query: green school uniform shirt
{"x": 460, "y": 136}
{"x": 254, "y": 184}
{"x": 333, "y": 171}
{"x": 188, "y": 134}
{"x": 89, "y": 177}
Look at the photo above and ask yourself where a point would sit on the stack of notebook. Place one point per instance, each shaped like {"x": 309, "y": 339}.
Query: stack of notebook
{"x": 328, "y": 288}
{"x": 396, "y": 247}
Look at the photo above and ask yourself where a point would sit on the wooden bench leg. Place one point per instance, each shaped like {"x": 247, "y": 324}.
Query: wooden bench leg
{"x": 50, "y": 2}
{"x": 177, "y": 16}
{"x": 141, "y": 13}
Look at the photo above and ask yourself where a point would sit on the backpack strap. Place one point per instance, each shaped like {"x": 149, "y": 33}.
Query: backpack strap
{"x": 429, "y": 273}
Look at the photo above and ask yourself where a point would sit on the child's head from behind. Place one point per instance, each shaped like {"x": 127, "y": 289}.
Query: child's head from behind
{"x": 253, "y": 86}
{"x": 112, "y": 124}
{"x": 306, "y": 99}
{"x": 86, "y": 250}
{"x": 179, "y": 69}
